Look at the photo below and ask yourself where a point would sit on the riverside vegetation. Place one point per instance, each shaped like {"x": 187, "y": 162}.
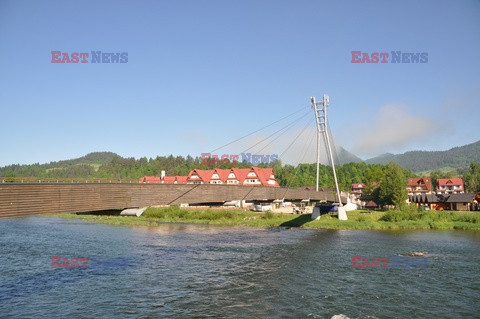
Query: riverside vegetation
{"x": 408, "y": 218}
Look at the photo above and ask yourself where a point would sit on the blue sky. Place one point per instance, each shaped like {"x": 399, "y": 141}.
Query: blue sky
{"x": 203, "y": 73}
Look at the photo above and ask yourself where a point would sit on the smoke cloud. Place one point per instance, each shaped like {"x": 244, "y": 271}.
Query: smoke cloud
{"x": 392, "y": 128}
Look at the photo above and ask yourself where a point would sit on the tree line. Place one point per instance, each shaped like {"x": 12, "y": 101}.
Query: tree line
{"x": 379, "y": 179}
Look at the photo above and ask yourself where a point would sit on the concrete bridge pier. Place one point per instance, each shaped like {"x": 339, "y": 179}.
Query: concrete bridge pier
{"x": 342, "y": 213}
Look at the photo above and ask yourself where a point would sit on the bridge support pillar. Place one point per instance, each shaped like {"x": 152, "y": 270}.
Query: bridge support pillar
{"x": 342, "y": 213}
{"x": 316, "y": 213}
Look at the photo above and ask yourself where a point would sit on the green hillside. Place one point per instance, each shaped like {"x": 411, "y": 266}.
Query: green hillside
{"x": 457, "y": 158}
{"x": 85, "y": 166}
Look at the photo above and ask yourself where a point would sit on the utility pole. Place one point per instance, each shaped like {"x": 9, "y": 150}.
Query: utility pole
{"x": 321, "y": 120}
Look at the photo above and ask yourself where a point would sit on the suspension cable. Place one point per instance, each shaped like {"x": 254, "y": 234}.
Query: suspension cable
{"x": 298, "y": 135}
{"x": 286, "y": 128}
{"x": 238, "y": 139}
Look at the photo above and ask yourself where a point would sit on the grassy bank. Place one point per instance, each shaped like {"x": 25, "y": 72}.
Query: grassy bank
{"x": 234, "y": 217}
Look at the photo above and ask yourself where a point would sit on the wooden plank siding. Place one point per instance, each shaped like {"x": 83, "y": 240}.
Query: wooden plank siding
{"x": 36, "y": 199}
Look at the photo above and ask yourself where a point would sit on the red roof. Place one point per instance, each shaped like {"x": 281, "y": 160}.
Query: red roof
{"x": 240, "y": 174}
{"x": 263, "y": 174}
{"x": 150, "y": 180}
{"x": 418, "y": 181}
{"x": 361, "y": 185}
{"x": 205, "y": 175}
{"x": 371, "y": 204}
{"x": 222, "y": 174}
{"x": 449, "y": 181}
{"x": 169, "y": 179}
{"x": 181, "y": 179}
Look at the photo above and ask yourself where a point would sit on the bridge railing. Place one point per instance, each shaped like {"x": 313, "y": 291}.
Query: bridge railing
{"x": 51, "y": 180}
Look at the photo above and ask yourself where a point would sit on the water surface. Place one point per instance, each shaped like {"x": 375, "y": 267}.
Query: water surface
{"x": 199, "y": 271}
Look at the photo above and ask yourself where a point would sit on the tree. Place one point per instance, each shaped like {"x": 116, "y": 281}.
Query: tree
{"x": 472, "y": 178}
{"x": 392, "y": 189}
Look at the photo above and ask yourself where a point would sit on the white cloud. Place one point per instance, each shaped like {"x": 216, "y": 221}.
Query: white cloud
{"x": 391, "y": 129}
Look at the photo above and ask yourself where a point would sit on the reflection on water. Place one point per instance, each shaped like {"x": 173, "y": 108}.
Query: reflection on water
{"x": 181, "y": 270}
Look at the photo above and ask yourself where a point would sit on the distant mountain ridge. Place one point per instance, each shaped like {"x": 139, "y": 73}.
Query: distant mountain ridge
{"x": 83, "y": 166}
{"x": 345, "y": 157}
{"x": 90, "y": 158}
{"x": 457, "y": 158}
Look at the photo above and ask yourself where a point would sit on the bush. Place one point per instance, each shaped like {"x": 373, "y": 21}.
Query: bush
{"x": 408, "y": 213}
{"x": 362, "y": 219}
{"x": 268, "y": 215}
{"x": 468, "y": 217}
{"x": 436, "y": 216}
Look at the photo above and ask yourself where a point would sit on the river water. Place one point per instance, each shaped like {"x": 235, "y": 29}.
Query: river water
{"x": 199, "y": 271}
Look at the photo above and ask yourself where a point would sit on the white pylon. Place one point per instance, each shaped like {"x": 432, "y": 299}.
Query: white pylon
{"x": 321, "y": 120}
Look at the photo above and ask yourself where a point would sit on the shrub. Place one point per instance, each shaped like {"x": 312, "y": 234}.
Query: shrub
{"x": 467, "y": 217}
{"x": 436, "y": 216}
{"x": 268, "y": 215}
{"x": 399, "y": 215}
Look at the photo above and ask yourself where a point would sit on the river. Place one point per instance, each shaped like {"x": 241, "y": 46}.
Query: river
{"x": 198, "y": 271}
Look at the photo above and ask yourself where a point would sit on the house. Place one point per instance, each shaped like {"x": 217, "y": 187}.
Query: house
{"x": 357, "y": 189}
{"x": 450, "y": 186}
{"x": 418, "y": 186}
{"x": 461, "y": 202}
{"x": 253, "y": 176}
{"x": 371, "y": 205}
{"x": 432, "y": 201}
{"x": 261, "y": 177}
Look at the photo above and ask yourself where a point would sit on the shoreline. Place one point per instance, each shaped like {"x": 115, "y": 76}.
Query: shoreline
{"x": 358, "y": 220}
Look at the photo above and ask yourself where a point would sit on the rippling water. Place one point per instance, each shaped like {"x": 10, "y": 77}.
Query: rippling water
{"x": 188, "y": 271}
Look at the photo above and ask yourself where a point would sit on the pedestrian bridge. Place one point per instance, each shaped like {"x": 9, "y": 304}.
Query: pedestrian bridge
{"x": 26, "y": 199}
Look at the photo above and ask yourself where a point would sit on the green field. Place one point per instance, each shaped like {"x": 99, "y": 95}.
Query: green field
{"x": 236, "y": 217}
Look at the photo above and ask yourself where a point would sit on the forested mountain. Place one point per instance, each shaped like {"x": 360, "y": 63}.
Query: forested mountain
{"x": 84, "y": 166}
{"x": 457, "y": 158}
{"x": 345, "y": 157}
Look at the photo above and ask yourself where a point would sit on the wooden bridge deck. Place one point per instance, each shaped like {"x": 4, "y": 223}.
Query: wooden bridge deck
{"x": 35, "y": 199}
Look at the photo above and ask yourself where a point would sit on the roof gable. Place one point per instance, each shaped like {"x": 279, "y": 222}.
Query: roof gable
{"x": 449, "y": 181}
{"x": 420, "y": 181}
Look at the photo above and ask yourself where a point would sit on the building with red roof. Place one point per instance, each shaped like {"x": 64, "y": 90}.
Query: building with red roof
{"x": 235, "y": 176}
{"x": 219, "y": 176}
{"x": 168, "y": 179}
{"x": 200, "y": 176}
{"x": 163, "y": 180}
{"x": 150, "y": 180}
{"x": 181, "y": 179}
{"x": 357, "y": 189}
{"x": 418, "y": 186}
{"x": 450, "y": 186}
